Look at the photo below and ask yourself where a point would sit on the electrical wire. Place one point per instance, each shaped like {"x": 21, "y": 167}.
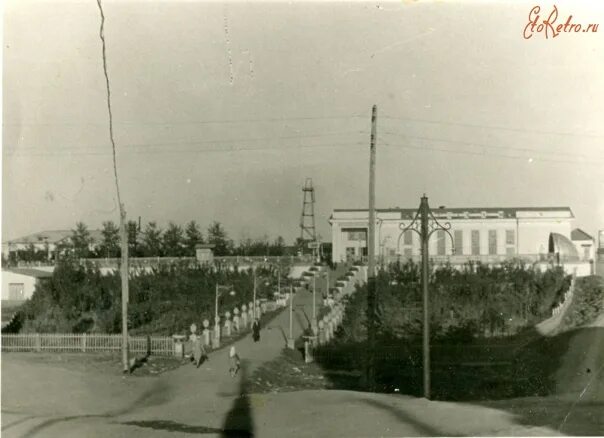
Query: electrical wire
{"x": 482, "y": 145}
{"x": 195, "y": 142}
{"x": 484, "y": 154}
{"x": 191, "y": 122}
{"x": 493, "y": 127}
{"x": 201, "y": 150}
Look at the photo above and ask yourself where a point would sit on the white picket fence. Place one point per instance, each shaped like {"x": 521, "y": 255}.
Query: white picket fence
{"x": 68, "y": 342}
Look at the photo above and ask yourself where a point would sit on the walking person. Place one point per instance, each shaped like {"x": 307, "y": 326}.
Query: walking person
{"x": 234, "y": 362}
{"x": 199, "y": 352}
{"x": 256, "y": 330}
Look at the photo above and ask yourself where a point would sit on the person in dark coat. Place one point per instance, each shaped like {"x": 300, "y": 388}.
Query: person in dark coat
{"x": 256, "y": 330}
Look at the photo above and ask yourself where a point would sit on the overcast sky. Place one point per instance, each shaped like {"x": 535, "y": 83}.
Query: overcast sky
{"x": 469, "y": 111}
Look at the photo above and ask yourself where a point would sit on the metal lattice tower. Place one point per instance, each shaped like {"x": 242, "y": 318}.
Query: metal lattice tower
{"x": 307, "y": 220}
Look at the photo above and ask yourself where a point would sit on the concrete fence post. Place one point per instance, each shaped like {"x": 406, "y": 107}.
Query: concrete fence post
{"x": 322, "y": 338}
{"x": 236, "y": 319}
{"x": 179, "y": 350}
{"x": 206, "y": 332}
{"x": 38, "y": 342}
{"x": 216, "y": 337}
{"x": 244, "y": 316}
{"x": 227, "y": 324}
{"x": 84, "y": 343}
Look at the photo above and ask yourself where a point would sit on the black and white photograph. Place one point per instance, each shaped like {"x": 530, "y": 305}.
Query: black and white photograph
{"x": 271, "y": 218}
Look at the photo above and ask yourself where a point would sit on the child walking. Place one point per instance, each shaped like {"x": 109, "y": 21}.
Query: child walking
{"x": 235, "y": 363}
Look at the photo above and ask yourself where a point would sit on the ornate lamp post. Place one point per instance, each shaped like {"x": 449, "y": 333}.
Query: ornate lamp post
{"x": 426, "y": 225}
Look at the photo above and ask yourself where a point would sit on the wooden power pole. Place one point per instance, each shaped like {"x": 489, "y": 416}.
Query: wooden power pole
{"x": 371, "y": 286}
{"x": 125, "y": 292}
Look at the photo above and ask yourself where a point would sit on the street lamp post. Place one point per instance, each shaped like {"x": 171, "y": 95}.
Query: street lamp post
{"x": 254, "y": 310}
{"x": 424, "y": 229}
{"x": 290, "y": 340}
{"x": 218, "y": 293}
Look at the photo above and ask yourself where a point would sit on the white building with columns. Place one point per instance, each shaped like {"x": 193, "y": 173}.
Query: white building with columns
{"x": 488, "y": 235}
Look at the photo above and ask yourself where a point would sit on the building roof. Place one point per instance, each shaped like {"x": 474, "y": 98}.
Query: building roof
{"x": 30, "y": 272}
{"x": 579, "y": 234}
{"x": 507, "y": 212}
{"x": 54, "y": 237}
{"x": 563, "y": 246}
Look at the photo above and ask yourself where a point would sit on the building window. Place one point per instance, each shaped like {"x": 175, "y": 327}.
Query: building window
{"x": 458, "y": 235}
{"x": 408, "y": 238}
{"x": 475, "y": 242}
{"x": 440, "y": 243}
{"x": 510, "y": 237}
{"x": 408, "y": 252}
{"x": 510, "y": 242}
{"x": 492, "y": 242}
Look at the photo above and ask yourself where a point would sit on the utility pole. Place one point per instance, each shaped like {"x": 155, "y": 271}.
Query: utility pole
{"x": 314, "y": 303}
{"x": 125, "y": 292}
{"x": 371, "y": 289}
{"x": 123, "y": 231}
{"x": 424, "y": 210}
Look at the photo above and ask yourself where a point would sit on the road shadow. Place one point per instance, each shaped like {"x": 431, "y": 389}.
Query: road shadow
{"x": 154, "y": 396}
{"x": 239, "y": 421}
{"x": 421, "y": 427}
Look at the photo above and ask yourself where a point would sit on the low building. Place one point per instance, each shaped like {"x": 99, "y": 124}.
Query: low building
{"x": 489, "y": 235}
{"x": 585, "y": 244}
{"x": 18, "y": 284}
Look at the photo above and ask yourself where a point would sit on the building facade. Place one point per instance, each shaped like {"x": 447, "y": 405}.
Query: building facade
{"x": 482, "y": 234}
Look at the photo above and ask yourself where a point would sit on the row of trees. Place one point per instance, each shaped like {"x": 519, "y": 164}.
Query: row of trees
{"x": 152, "y": 241}
{"x": 174, "y": 241}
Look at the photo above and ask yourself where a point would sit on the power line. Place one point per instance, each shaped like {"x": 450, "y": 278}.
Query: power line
{"x": 199, "y": 151}
{"x": 191, "y": 122}
{"x": 485, "y": 154}
{"x": 482, "y": 145}
{"x": 494, "y": 127}
{"x": 194, "y": 142}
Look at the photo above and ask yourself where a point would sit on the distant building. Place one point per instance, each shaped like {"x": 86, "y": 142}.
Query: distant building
{"x": 489, "y": 235}
{"x": 47, "y": 241}
{"x": 585, "y": 244}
